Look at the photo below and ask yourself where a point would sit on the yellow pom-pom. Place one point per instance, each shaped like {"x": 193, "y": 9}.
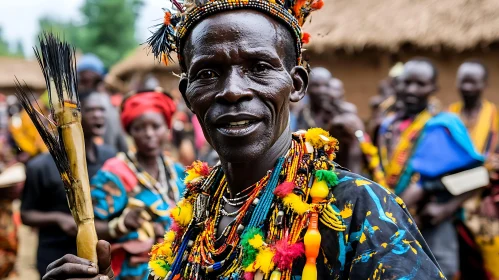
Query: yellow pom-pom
{"x": 159, "y": 267}
{"x": 264, "y": 261}
{"x": 256, "y": 241}
{"x": 196, "y": 172}
{"x": 182, "y": 214}
{"x": 169, "y": 236}
{"x": 319, "y": 191}
{"x": 294, "y": 202}
{"x": 318, "y": 137}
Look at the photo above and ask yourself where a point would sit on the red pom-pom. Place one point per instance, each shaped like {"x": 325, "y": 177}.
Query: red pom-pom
{"x": 284, "y": 189}
{"x": 249, "y": 276}
{"x": 176, "y": 228}
{"x": 305, "y": 38}
{"x": 317, "y": 5}
{"x": 286, "y": 253}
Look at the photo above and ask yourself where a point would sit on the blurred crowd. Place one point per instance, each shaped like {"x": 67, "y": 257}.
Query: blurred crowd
{"x": 138, "y": 143}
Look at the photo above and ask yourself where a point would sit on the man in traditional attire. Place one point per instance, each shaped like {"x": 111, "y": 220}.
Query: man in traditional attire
{"x": 481, "y": 213}
{"x": 418, "y": 146}
{"x": 277, "y": 206}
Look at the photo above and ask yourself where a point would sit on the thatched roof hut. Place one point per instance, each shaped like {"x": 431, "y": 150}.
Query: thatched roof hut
{"x": 360, "y": 40}
{"x": 132, "y": 72}
{"x": 386, "y": 24}
{"x": 27, "y": 71}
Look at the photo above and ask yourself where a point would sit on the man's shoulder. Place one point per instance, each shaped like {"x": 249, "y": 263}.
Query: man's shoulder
{"x": 354, "y": 187}
{"x": 106, "y": 152}
{"x": 40, "y": 161}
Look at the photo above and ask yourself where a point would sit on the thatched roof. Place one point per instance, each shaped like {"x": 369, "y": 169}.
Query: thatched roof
{"x": 25, "y": 70}
{"x": 140, "y": 60}
{"x": 353, "y": 25}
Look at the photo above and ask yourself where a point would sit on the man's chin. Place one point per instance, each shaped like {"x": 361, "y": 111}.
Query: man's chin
{"x": 243, "y": 150}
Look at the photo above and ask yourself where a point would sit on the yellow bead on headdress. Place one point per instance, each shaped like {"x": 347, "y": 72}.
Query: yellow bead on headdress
{"x": 177, "y": 24}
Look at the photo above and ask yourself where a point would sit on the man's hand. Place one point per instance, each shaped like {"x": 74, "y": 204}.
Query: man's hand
{"x": 435, "y": 213}
{"x": 75, "y": 268}
{"x": 67, "y": 224}
{"x": 133, "y": 219}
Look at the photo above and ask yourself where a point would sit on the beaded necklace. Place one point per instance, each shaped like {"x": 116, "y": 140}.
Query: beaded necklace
{"x": 277, "y": 223}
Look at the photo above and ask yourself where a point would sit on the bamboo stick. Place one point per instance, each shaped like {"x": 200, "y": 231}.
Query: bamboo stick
{"x": 66, "y": 142}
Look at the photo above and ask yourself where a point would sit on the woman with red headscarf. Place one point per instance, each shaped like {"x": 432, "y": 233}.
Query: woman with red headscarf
{"x": 134, "y": 191}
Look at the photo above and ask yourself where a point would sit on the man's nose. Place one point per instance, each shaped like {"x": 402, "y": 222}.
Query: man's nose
{"x": 412, "y": 88}
{"x": 235, "y": 89}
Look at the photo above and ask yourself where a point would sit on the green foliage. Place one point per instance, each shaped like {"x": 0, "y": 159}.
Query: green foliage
{"x": 5, "y": 49}
{"x": 107, "y": 28}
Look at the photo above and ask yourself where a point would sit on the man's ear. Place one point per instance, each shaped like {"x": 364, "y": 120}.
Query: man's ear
{"x": 300, "y": 83}
{"x": 182, "y": 87}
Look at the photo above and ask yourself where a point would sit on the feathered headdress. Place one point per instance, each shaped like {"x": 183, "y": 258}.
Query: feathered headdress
{"x": 177, "y": 23}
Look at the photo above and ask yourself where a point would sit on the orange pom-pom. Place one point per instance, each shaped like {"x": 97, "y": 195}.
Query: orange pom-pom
{"x": 167, "y": 18}
{"x": 305, "y": 38}
{"x": 317, "y": 5}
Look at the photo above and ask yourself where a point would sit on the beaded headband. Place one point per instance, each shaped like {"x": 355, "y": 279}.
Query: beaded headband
{"x": 171, "y": 33}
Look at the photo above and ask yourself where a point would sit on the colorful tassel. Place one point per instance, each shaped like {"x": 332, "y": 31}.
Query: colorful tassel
{"x": 286, "y": 253}
{"x": 305, "y": 38}
{"x": 251, "y": 242}
{"x": 159, "y": 267}
{"x": 317, "y": 5}
{"x": 167, "y": 19}
{"x": 249, "y": 275}
{"x": 182, "y": 214}
{"x": 319, "y": 138}
{"x": 196, "y": 172}
{"x": 329, "y": 176}
{"x": 294, "y": 202}
{"x": 284, "y": 189}
{"x": 263, "y": 261}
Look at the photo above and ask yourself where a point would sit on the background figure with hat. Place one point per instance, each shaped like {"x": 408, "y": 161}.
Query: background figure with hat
{"x": 91, "y": 73}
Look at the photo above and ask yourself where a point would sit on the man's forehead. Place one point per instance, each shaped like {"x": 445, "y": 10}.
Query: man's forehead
{"x": 471, "y": 69}
{"x": 420, "y": 69}
{"x": 244, "y": 26}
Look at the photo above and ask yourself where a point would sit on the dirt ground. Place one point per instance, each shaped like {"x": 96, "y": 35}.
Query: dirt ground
{"x": 26, "y": 257}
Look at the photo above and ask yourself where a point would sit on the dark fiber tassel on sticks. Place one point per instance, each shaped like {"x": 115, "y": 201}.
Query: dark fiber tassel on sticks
{"x": 64, "y": 135}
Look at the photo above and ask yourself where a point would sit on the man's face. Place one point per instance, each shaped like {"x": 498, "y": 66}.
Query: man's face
{"x": 336, "y": 89}
{"x": 471, "y": 80}
{"x": 93, "y": 119}
{"x": 88, "y": 80}
{"x": 319, "y": 89}
{"x": 237, "y": 83}
{"x": 415, "y": 85}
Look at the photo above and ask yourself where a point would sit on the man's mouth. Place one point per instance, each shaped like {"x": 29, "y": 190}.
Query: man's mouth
{"x": 238, "y": 129}
{"x": 237, "y": 126}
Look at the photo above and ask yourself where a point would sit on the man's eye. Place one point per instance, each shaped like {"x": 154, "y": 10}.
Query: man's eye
{"x": 206, "y": 74}
{"x": 260, "y": 67}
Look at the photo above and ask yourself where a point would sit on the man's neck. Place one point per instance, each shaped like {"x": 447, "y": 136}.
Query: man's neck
{"x": 472, "y": 104}
{"x": 414, "y": 112}
{"x": 242, "y": 175}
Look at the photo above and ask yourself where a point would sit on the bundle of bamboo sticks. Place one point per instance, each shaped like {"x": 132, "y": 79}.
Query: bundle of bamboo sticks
{"x": 63, "y": 134}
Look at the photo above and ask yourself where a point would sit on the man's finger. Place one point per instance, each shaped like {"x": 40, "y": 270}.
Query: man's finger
{"x": 69, "y": 259}
{"x": 104, "y": 258}
{"x": 70, "y": 270}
